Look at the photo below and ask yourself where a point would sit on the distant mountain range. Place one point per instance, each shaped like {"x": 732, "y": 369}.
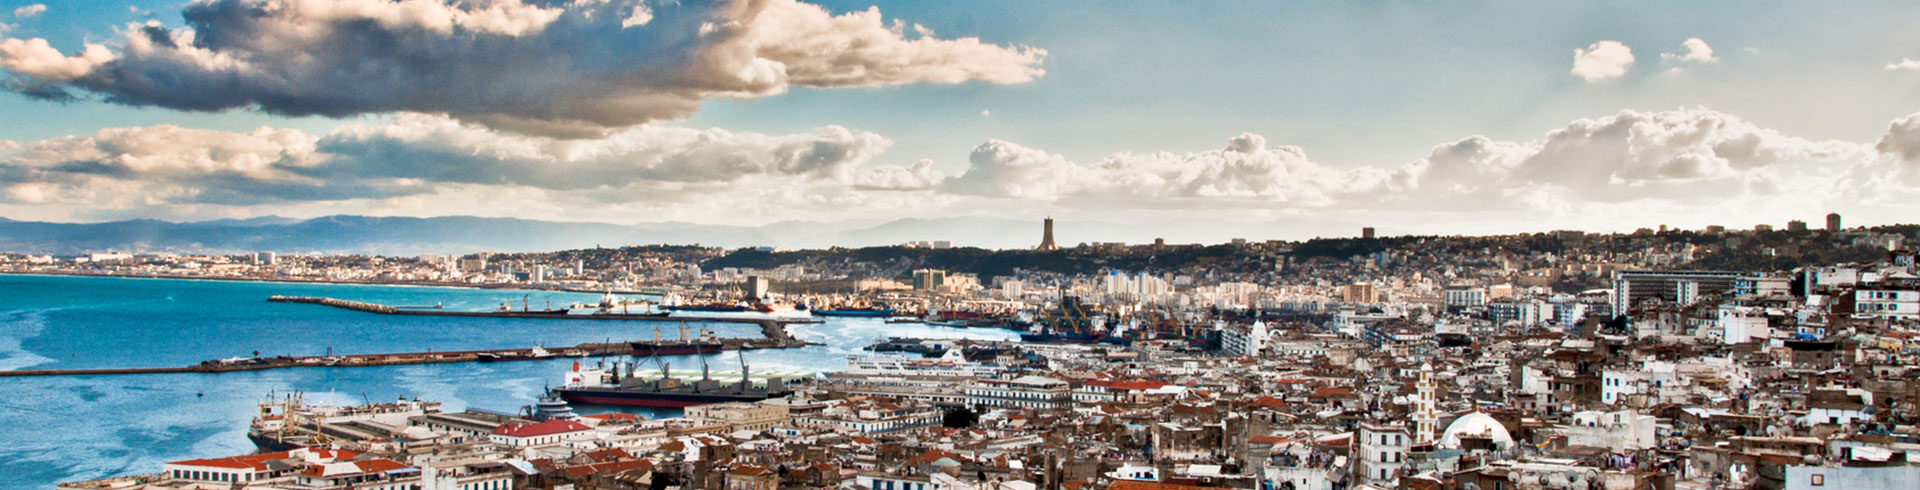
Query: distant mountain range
{"x": 464, "y": 234}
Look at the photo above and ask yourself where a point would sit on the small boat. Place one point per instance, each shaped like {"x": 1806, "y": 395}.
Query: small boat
{"x": 537, "y": 352}
{"x": 869, "y": 312}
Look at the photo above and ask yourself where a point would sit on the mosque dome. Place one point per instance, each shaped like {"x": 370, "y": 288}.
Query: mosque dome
{"x": 1478, "y": 425}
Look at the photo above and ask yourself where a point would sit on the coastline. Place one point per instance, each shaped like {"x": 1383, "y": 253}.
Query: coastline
{"x": 289, "y": 280}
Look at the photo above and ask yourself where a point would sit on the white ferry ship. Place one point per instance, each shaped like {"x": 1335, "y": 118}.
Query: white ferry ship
{"x": 949, "y": 365}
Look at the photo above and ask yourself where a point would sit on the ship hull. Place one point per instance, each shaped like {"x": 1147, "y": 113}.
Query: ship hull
{"x": 1059, "y": 339}
{"x": 651, "y": 399}
{"x": 709, "y": 309}
{"x": 640, "y": 349}
{"x": 268, "y": 445}
{"x": 855, "y": 313}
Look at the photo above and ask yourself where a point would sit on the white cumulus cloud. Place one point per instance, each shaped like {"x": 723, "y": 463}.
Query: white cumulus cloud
{"x": 1697, "y": 51}
{"x": 1247, "y": 170}
{"x": 1602, "y": 61}
{"x": 27, "y": 11}
{"x": 162, "y": 166}
{"x": 1905, "y": 64}
{"x": 573, "y": 69}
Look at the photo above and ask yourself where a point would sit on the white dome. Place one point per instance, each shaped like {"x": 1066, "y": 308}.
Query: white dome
{"x": 1476, "y": 425}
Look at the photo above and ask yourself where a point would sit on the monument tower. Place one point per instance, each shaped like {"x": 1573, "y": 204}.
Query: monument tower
{"x": 1046, "y": 238}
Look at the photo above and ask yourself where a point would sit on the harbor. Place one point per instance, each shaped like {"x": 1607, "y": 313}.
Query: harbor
{"x": 406, "y": 358}
{"x": 775, "y": 329}
{"x": 774, "y": 336}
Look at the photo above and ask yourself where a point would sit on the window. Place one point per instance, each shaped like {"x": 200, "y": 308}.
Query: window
{"x": 1819, "y": 480}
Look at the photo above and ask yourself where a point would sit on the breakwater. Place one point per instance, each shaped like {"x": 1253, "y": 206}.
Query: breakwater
{"x": 774, "y": 336}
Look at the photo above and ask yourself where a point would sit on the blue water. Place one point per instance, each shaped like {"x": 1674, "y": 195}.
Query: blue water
{"x": 55, "y": 429}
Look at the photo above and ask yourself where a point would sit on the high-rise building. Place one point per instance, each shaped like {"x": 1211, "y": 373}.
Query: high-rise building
{"x": 1677, "y": 286}
{"x": 1366, "y": 233}
{"x": 1833, "y": 221}
{"x": 1796, "y": 226}
{"x": 929, "y": 279}
{"x": 757, "y": 287}
{"x": 1359, "y": 292}
{"x": 1046, "y": 237}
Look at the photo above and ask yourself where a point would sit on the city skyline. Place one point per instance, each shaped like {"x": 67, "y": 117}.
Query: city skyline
{"x": 1390, "y": 116}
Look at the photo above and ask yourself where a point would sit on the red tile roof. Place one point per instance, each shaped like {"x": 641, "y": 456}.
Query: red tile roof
{"x": 589, "y": 469}
{"x": 259, "y": 461}
{"x": 1137, "y": 385}
{"x": 1275, "y": 440}
{"x": 749, "y": 470}
{"x": 1329, "y": 391}
{"x": 359, "y": 468}
{"x": 1269, "y": 402}
{"x": 549, "y": 427}
{"x": 1148, "y": 485}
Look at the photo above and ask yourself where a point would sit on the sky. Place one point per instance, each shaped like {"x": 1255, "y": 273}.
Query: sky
{"x": 1412, "y": 117}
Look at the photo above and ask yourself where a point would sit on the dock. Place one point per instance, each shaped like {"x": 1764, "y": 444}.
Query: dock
{"x": 774, "y": 331}
{"x": 772, "y": 328}
{"x": 594, "y": 349}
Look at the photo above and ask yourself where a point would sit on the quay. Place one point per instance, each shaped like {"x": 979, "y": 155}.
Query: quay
{"x": 775, "y": 331}
{"x": 772, "y": 328}
{"x": 592, "y": 349}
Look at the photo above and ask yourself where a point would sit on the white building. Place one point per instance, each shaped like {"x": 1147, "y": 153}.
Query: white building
{"x": 1023, "y": 392}
{"x": 1742, "y": 324}
{"x": 547, "y": 433}
{"x": 1251, "y": 342}
{"x": 1618, "y": 431}
{"x": 1617, "y": 384}
{"x": 1380, "y": 450}
{"x": 1882, "y": 303}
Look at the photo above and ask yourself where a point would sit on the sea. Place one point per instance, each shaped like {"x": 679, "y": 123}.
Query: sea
{"x": 64, "y": 428}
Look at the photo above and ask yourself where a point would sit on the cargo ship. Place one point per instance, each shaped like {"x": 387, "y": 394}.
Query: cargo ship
{"x": 609, "y": 386}
{"x": 673, "y": 302}
{"x": 526, "y": 308}
{"x": 537, "y": 352}
{"x": 952, "y": 364}
{"x": 709, "y": 308}
{"x": 289, "y": 423}
{"x": 1072, "y": 324}
{"x": 867, "y": 312}
{"x": 704, "y": 343}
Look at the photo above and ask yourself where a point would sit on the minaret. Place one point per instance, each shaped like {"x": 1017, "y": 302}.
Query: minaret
{"x": 1424, "y": 415}
{"x": 1046, "y": 238}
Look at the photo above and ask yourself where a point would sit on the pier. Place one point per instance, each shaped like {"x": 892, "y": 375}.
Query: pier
{"x": 594, "y": 349}
{"x": 775, "y": 332}
{"x": 772, "y": 328}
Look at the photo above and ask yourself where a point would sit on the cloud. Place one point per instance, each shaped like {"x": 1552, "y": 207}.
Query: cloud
{"x": 578, "y": 69}
{"x": 920, "y": 176}
{"x": 1245, "y": 171}
{"x": 1614, "y": 166}
{"x": 1602, "y": 61}
{"x": 28, "y": 11}
{"x": 1697, "y": 51}
{"x": 437, "y": 149}
{"x": 1688, "y": 154}
{"x": 1905, "y": 64}
{"x": 1618, "y": 170}
{"x": 162, "y": 167}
